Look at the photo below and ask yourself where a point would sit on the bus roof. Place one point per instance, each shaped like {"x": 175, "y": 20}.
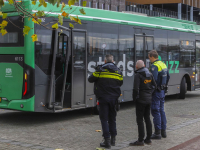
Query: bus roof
{"x": 99, "y": 15}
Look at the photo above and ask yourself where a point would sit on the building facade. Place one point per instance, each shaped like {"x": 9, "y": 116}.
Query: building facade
{"x": 113, "y": 5}
{"x": 179, "y": 9}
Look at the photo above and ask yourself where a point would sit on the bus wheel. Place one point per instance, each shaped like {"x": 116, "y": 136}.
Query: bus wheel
{"x": 183, "y": 89}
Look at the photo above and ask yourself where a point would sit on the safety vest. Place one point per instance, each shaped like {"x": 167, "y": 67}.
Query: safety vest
{"x": 161, "y": 66}
{"x": 162, "y": 72}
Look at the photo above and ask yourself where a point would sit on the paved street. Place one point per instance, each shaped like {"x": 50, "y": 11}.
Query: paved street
{"x": 76, "y": 130}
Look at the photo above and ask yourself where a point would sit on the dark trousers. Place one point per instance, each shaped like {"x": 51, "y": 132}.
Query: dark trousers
{"x": 107, "y": 115}
{"x": 143, "y": 111}
{"x": 157, "y": 110}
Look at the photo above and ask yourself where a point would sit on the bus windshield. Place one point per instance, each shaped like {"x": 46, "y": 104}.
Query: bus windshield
{"x": 14, "y": 37}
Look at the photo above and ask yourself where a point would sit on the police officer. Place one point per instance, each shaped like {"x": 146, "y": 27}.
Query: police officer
{"x": 144, "y": 84}
{"x": 161, "y": 76}
{"x": 108, "y": 79}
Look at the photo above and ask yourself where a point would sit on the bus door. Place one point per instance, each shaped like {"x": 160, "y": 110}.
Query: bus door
{"x": 143, "y": 44}
{"x": 197, "y": 67}
{"x": 79, "y": 68}
{"x": 59, "y": 95}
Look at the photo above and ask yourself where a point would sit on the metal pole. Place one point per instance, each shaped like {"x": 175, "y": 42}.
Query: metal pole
{"x": 179, "y": 10}
{"x": 128, "y": 8}
{"x": 79, "y": 2}
{"x": 191, "y": 13}
{"x": 151, "y": 7}
{"x": 90, "y": 4}
{"x": 187, "y": 12}
{"x": 97, "y": 5}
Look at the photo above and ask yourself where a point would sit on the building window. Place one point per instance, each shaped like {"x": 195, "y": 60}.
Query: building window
{"x": 109, "y": 6}
{"x": 117, "y": 8}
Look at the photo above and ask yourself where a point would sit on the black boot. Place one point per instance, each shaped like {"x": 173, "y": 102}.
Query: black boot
{"x": 106, "y": 143}
{"x": 156, "y": 135}
{"x": 147, "y": 141}
{"x": 113, "y": 140}
{"x": 163, "y": 133}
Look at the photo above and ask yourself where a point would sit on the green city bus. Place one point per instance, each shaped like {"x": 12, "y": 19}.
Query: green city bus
{"x": 50, "y": 75}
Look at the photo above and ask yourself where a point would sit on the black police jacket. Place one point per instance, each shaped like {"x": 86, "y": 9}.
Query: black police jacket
{"x": 108, "y": 79}
{"x": 144, "y": 85}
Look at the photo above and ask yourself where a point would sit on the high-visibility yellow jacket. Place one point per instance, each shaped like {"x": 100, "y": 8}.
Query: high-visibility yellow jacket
{"x": 108, "y": 79}
{"x": 160, "y": 72}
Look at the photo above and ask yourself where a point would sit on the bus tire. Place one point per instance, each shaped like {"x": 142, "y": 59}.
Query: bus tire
{"x": 183, "y": 89}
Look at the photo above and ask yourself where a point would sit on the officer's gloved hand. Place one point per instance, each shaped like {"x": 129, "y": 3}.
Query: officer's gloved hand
{"x": 166, "y": 89}
{"x": 158, "y": 89}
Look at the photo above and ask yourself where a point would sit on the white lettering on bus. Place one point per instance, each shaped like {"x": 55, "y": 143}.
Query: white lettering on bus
{"x": 92, "y": 65}
{"x": 122, "y": 63}
{"x": 130, "y": 67}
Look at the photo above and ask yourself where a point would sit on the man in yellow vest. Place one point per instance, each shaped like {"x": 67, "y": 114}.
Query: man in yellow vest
{"x": 161, "y": 76}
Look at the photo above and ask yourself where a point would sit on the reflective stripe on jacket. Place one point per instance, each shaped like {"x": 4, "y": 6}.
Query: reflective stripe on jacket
{"x": 108, "y": 79}
{"x": 108, "y": 74}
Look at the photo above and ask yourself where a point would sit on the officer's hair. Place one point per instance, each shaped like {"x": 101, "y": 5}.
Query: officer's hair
{"x": 109, "y": 58}
{"x": 140, "y": 64}
{"x": 153, "y": 53}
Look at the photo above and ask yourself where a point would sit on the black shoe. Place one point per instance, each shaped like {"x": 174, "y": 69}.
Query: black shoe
{"x": 147, "y": 141}
{"x": 136, "y": 143}
{"x": 106, "y": 143}
{"x": 156, "y": 135}
{"x": 113, "y": 140}
{"x": 163, "y": 133}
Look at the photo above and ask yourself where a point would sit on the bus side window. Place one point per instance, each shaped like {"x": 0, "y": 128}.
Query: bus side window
{"x": 38, "y": 47}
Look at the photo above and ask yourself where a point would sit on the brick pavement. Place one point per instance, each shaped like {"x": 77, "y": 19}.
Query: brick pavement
{"x": 175, "y": 137}
{"x": 16, "y": 145}
{"x": 193, "y": 144}
{"x": 76, "y": 130}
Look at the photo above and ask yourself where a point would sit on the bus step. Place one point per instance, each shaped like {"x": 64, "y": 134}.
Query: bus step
{"x": 57, "y": 105}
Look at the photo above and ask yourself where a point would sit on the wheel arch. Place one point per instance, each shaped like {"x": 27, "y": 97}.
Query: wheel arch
{"x": 188, "y": 81}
